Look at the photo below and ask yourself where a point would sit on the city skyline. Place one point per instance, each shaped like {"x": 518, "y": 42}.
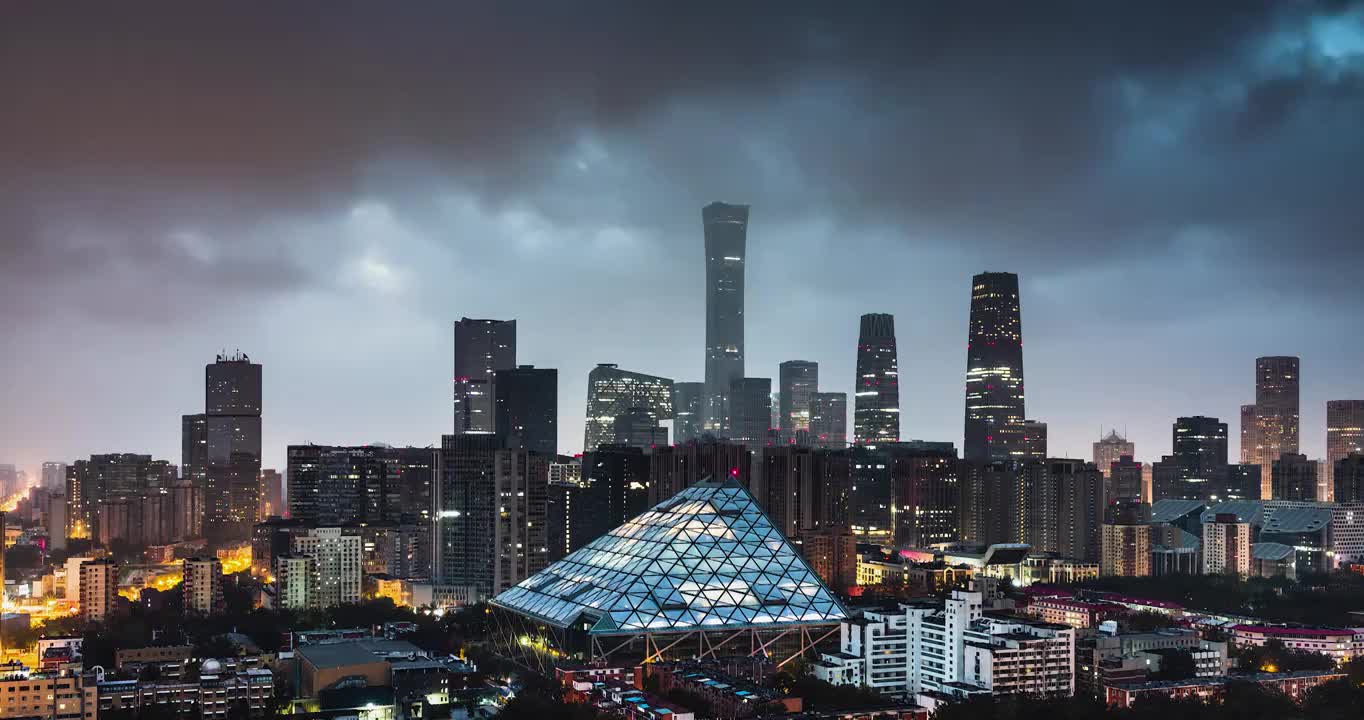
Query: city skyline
{"x": 343, "y": 280}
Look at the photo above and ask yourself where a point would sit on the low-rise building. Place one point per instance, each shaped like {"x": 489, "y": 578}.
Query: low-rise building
{"x": 1072, "y": 612}
{"x": 57, "y": 695}
{"x": 1340, "y": 644}
{"x": 1105, "y": 660}
{"x": 209, "y": 696}
{"x": 728, "y": 696}
{"x": 1294, "y": 685}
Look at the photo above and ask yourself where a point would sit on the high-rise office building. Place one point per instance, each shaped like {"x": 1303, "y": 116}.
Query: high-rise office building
{"x": 1274, "y": 418}
{"x": 688, "y": 418}
{"x": 750, "y": 401}
{"x": 222, "y": 446}
{"x": 1033, "y": 443}
{"x": 675, "y": 468}
{"x": 1080, "y": 508}
{"x": 994, "y": 501}
{"x": 829, "y": 420}
{"x": 612, "y": 391}
{"x": 1348, "y": 477}
{"x": 726, "y": 231}
{"x": 798, "y": 382}
{"x": 926, "y": 499}
{"x": 876, "y": 400}
{"x": 639, "y": 428}
{"x": 1199, "y": 441}
{"x": 526, "y": 410}
{"x": 1294, "y": 477}
{"x": 103, "y": 478}
{"x": 482, "y": 347}
{"x": 615, "y": 488}
{"x": 271, "y": 493}
{"x": 367, "y": 484}
{"x": 994, "y": 369}
{"x": 1344, "y": 433}
{"x": 54, "y": 475}
{"x": 1127, "y": 539}
{"x": 466, "y": 505}
{"x": 1109, "y": 449}
{"x": 203, "y": 585}
{"x": 1124, "y": 481}
{"x": 521, "y": 484}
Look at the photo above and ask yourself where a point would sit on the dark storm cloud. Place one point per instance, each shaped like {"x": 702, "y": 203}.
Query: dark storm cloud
{"x": 1141, "y": 164}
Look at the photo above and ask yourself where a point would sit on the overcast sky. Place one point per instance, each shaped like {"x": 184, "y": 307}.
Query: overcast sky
{"x": 327, "y": 188}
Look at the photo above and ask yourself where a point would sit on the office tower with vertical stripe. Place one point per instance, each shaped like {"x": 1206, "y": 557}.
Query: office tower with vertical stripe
{"x": 994, "y": 369}
{"x": 876, "y": 400}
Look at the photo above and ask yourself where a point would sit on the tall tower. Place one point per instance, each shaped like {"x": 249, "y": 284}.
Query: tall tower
{"x": 726, "y": 228}
{"x": 798, "y": 381}
{"x": 527, "y": 408}
{"x": 482, "y": 347}
{"x": 232, "y": 449}
{"x": 994, "y": 369}
{"x": 876, "y": 403}
{"x": 1275, "y": 414}
{"x": 1344, "y": 433}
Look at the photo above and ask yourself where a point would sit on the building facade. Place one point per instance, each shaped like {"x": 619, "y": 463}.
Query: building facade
{"x": 994, "y": 369}
{"x": 798, "y": 383}
{"x": 688, "y": 404}
{"x": 482, "y": 347}
{"x": 1110, "y": 449}
{"x": 726, "y": 235}
{"x": 526, "y": 408}
{"x": 1344, "y": 433}
{"x": 829, "y": 420}
{"x": 876, "y": 395}
{"x": 203, "y": 585}
{"x": 612, "y": 391}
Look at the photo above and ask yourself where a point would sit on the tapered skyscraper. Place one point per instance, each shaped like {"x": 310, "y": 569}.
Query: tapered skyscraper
{"x": 876, "y": 403}
{"x": 994, "y": 369}
{"x": 482, "y": 347}
{"x": 726, "y": 228}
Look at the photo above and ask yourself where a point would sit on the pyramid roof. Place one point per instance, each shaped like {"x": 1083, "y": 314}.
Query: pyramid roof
{"x": 707, "y": 558}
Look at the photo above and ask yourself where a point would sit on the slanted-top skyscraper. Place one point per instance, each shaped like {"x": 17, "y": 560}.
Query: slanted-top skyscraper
{"x": 482, "y": 347}
{"x": 726, "y": 228}
{"x": 994, "y": 368}
{"x": 876, "y": 400}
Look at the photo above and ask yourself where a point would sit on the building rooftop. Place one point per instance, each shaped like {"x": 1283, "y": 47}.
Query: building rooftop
{"x": 1271, "y": 551}
{"x": 334, "y": 655}
{"x": 1282, "y": 631}
{"x": 707, "y": 558}
{"x": 1225, "y": 679}
{"x": 1170, "y": 509}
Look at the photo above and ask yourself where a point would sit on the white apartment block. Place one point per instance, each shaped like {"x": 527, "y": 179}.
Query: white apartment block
{"x": 1226, "y": 546}
{"x": 337, "y": 566}
{"x": 951, "y": 649}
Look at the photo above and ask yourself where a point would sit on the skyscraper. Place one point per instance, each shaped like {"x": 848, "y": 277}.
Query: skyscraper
{"x": 1294, "y": 477}
{"x": 688, "y": 418}
{"x": 612, "y": 391}
{"x": 829, "y": 420}
{"x": 750, "y": 402}
{"x": 1200, "y": 441}
{"x": 54, "y": 475}
{"x": 1344, "y": 433}
{"x": 1109, "y": 449}
{"x": 527, "y": 408}
{"x": 876, "y": 402}
{"x": 798, "y": 382}
{"x": 1033, "y": 443}
{"x": 271, "y": 493}
{"x": 466, "y": 512}
{"x": 994, "y": 368}
{"x": 232, "y": 449}
{"x": 726, "y": 230}
{"x": 1276, "y": 414}
{"x": 482, "y": 347}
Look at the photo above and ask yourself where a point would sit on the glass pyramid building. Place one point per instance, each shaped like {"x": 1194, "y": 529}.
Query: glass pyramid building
{"x": 705, "y": 559}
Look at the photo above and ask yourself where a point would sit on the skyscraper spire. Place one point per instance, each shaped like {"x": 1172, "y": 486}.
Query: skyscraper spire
{"x": 876, "y": 402}
{"x": 994, "y": 369}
